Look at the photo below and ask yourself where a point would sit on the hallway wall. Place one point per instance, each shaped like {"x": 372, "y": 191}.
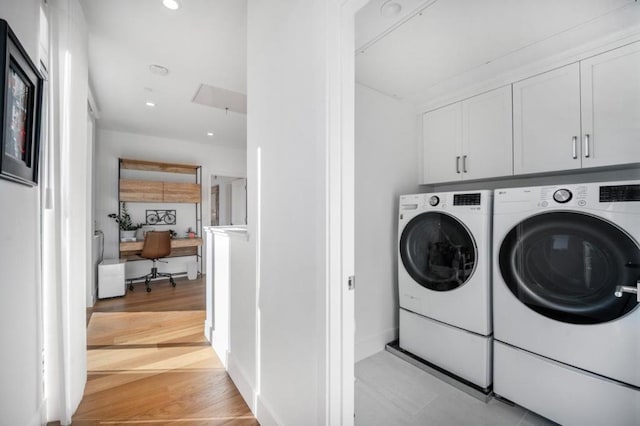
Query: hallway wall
{"x": 287, "y": 144}
{"x": 20, "y": 304}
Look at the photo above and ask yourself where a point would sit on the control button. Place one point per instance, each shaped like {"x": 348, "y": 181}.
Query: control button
{"x": 582, "y": 203}
{"x": 544, "y": 204}
{"x": 562, "y": 196}
{"x": 434, "y": 200}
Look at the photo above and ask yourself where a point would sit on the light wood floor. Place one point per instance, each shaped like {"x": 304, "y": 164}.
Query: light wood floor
{"x": 149, "y": 363}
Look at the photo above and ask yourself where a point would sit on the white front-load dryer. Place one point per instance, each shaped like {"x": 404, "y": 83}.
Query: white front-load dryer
{"x": 567, "y": 337}
{"x": 444, "y": 251}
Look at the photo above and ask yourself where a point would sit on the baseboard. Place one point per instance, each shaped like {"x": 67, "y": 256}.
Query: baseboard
{"x": 374, "y": 344}
{"x": 265, "y": 414}
{"x": 39, "y": 418}
{"x": 208, "y": 330}
{"x": 245, "y": 386}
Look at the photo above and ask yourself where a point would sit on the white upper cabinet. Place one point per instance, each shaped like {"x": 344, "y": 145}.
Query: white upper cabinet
{"x": 611, "y": 107}
{"x": 546, "y": 121}
{"x": 442, "y": 130}
{"x": 469, "y": 139}
{"x": 582, "y": 115}
{"x": 486, "y": 135}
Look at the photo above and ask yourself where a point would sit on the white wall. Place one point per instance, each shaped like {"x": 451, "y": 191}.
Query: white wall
{"x": 20, "y": 318}
{"x": 67, "y": 237}
{"x": 231, "y": 312}
{"x": 241, "y": 363}
{"x": 287, "y": 83}
{"x": 387, "y": 166}
{"x": 112, "y": 145}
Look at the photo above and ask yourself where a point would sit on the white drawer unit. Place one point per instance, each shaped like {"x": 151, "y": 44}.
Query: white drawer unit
{"x": 111, "y": 282}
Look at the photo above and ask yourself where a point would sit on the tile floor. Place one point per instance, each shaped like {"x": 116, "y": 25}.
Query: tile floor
{"x": 391, "y": 392}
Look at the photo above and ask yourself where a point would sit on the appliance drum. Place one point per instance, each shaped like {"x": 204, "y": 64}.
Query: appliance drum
{"x": 566, "y": 266}
{"x": 438, "y": 251}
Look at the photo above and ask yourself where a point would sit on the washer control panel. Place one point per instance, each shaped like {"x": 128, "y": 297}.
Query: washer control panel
{"x": 562, "y": 196}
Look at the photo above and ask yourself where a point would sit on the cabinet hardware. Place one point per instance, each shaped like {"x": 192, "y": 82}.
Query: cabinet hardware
{"x": 586, "y": 145}
{"x": 458, "y": 164}
{"x": 464, "y": 163}
{"x": 351, "y": 282}
{"x": 575, "y": 147}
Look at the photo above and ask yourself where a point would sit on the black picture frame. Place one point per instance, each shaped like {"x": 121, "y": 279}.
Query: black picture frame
{"x": 20, "y": 110}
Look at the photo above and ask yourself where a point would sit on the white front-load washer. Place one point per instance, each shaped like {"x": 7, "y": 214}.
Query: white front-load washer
{"x": 567, "y": 336}
{"x": 444, "y": 251}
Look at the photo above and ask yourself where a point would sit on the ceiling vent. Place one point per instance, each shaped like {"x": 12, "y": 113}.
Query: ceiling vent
{"x": 216, "y": 97}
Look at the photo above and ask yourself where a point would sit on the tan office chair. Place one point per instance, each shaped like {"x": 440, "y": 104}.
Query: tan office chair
{"x": 156, "y": 246}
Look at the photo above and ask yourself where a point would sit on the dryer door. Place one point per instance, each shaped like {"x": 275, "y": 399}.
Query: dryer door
{"x": 438, "y": 251}
{"x": 566, "y": 266}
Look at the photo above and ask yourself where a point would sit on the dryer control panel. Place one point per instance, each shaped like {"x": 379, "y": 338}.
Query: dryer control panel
{"x": 619, "y": 193}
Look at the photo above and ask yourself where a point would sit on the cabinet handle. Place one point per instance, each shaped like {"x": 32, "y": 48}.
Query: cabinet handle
{"x": 458, "y": 164}
{"x": 586, "y": 145}
{"x": 575, "y": 147}
{"x": 464, "y": 163}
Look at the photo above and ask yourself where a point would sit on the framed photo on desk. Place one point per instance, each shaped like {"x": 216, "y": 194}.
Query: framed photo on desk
{"x": 20, "y": 110}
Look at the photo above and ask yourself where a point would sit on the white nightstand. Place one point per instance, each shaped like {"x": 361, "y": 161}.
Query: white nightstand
{"x": 111, "y": 278}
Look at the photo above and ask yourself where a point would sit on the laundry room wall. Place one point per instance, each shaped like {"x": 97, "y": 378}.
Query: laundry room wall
{"x": 386, "y": 167}
{"x": 111, "y": 145}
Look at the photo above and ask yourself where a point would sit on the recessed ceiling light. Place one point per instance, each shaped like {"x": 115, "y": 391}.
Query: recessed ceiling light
{"x": 209, "y": 133}
{"x": 390, "y": 9}
{"x": 150, "y": 104}
{"x": 158, "y": 69}
{"x": 171, "y": 4}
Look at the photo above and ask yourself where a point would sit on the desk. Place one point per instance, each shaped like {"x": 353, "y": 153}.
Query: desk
{"x": 131, "y": 250}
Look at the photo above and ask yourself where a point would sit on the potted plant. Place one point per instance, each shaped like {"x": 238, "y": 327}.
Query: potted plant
{"x": 127, "y": 227}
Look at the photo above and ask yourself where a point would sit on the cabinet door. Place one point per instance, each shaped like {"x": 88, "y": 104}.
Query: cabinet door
{"x": 487, "y": 141}
{"x": 611, "y": 107}
{"x": 442, "y": 131}
{"x": 140, "y": 190}
{"x": 177, "y": 192}
{"x": 546, "y": 121}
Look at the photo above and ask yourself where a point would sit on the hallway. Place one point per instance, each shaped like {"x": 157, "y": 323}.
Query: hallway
{"x": 149, "y": 363}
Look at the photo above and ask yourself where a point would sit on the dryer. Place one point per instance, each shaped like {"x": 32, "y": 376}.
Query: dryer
{"x": 566, "y": 318}
{"x": 444, "y": 281}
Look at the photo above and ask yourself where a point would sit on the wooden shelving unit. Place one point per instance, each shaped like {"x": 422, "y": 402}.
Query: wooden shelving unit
{"x": 148, "y": 191}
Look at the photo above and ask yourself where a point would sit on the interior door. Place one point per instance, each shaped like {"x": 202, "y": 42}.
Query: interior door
{"x": 438, "y": 251}
{"x": 566, "y": 266}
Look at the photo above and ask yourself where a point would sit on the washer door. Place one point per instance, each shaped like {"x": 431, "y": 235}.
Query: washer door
{"x": 566, "y": 266}
{"x": 438, "y": 251}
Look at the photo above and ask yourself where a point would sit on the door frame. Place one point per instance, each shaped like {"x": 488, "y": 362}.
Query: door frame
{"x": 340, "y": 307}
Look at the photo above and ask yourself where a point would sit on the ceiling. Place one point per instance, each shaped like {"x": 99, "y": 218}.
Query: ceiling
{"x": 433, "y": 46}
{"x": 202, "y": 43}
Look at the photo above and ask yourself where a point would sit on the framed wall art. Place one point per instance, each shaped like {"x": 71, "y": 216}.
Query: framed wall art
{"x": 20, "y": 110}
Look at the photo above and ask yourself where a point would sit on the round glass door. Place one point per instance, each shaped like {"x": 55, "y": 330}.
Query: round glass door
{"x": 438, "y": 251}
{"x": 566, "y": 266}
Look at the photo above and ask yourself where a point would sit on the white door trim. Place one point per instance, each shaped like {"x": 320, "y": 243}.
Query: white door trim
{"x": 340, "y": 308}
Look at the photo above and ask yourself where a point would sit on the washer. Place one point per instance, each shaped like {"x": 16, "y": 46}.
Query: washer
{"x": 567, "y": 338}
{"x": 444, "y": 281}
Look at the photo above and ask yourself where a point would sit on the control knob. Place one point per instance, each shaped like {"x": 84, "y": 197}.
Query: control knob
{"x": 434, "y": 200}
{"x": 562, "y": 196}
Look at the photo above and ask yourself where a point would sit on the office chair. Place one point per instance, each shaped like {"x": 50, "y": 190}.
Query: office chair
{"x": 156, "y": 246}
